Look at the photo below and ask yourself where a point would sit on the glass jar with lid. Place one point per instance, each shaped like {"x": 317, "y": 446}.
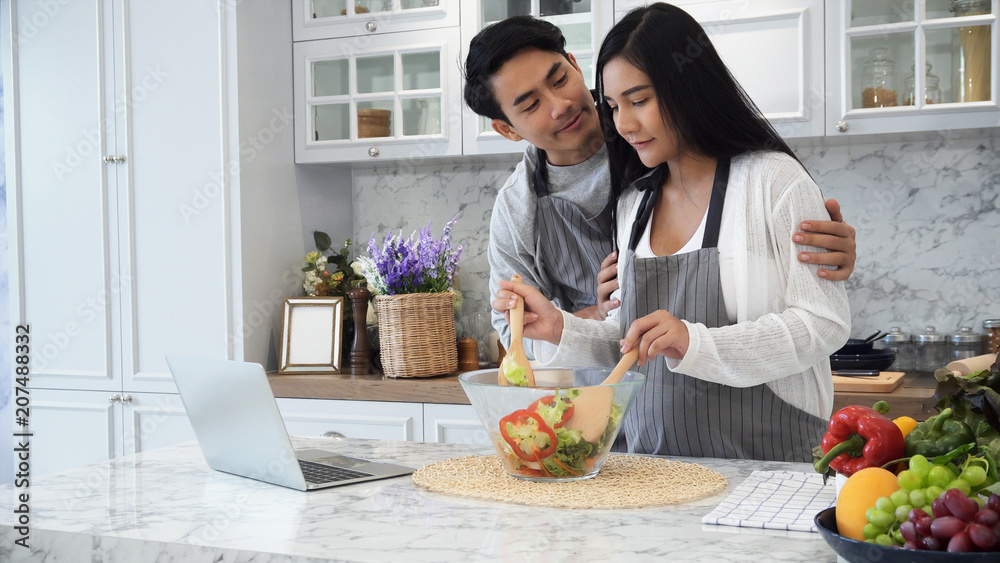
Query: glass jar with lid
{"x": 992, "y": 327}
{"x": 971, "y": 52}
{"x": 901, "y": 344}
{"x": 932, "y": 88}
{"x": 930, "y": 350}
{"x": 878, "y": 82}
{"x": 966, "y": 344}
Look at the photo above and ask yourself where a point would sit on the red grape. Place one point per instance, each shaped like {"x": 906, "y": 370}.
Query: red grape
{"x": 987, "y": 517}
{"x": 923, "y": 526}
{"x": 909, "y": 531}
{"x": 983, "y": 537}
{"x": 910, "y": 545}
{"x": 960, "y": 505}
{"x": 916, "y": 514}
{"x": 994, "y": 502}
{"x": 960, "y": 542}
{"x": 946, "y": 527}
{"x": 930, "y": 543}
{"x": 939, "y": 508}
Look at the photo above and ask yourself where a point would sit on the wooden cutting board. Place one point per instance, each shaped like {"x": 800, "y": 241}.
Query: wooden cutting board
{"x": 884, "y": 382}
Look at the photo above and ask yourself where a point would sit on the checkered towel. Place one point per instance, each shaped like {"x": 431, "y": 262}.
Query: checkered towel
{"x": 777, "y": 500}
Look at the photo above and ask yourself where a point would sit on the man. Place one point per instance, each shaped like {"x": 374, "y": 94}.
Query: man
{"x": 552, "y": 219}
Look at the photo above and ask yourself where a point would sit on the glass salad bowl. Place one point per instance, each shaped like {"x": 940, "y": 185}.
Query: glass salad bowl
{"x": 560, "y": 430}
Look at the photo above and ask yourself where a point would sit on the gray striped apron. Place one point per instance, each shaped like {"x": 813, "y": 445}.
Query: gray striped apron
{"x": 675, "y": 414}
{"x": 570, "y": 245}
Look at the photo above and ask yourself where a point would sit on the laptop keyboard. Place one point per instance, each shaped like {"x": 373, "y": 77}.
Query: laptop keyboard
{"x": 321, "y": 473}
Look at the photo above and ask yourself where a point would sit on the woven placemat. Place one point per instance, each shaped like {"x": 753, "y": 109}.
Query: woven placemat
{"x": 625, "y": 481}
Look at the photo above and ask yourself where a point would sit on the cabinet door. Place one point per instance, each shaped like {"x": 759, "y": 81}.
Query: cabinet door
{"x": 326, "y": 19}
{"x": 174, "y": 193}
{"x": 874, "y": 49}
{"x": 64, "y": 276}
{"x": 583, "y": 25}
{"x": 774, "y": 49}
{"x": 153, "y": 420}
{"x": 72, "y": 428}
{"x": 353, "y": 419}
{"x": 454, "y": 424}
{"x": 394, "y": 96}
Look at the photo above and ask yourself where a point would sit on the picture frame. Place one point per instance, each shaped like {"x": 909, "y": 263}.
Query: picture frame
{"x": 311, "y": 335}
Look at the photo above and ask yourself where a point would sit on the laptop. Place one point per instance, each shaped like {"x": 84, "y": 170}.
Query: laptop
{"x": 236, "y": 421}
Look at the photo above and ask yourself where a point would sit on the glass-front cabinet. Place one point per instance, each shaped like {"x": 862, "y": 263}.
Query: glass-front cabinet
{"x": 397, "y": 97}
{"x": 911, "y": 65}
{"x": 326, "y": 19}
{"x": 583, "y": 23}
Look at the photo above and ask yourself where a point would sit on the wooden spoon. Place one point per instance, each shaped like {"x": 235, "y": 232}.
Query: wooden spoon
{"x": 515, "y": 356}
{"x": 592, "y": 407}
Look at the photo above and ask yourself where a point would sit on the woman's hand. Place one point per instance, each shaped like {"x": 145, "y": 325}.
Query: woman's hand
{"x": 834, "y": 235}
{"x": 658, "y": 333}
{"x": 542, "y": 320}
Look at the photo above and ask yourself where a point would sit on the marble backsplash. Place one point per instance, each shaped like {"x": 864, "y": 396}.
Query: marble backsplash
{"x": 926, "y": 214}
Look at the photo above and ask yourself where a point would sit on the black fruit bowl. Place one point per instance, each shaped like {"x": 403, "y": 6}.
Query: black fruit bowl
{"x": 878, "y": 361}
{"x": 856, "y": 551}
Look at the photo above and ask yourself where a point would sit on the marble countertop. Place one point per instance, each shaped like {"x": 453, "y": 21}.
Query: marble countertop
{"x": 167, "y": 505}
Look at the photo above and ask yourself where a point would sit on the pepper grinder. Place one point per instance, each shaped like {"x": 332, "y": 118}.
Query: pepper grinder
{"x": 360, "y": 350}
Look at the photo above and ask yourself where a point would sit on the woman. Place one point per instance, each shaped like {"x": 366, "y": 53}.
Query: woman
{"x": 707, "y": 195}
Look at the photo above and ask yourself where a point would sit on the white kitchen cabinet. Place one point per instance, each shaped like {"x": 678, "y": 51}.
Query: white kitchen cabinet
{"x": 353, "y": 419}
{"x": 583, "y": 23}
{"x": 71, "y": 428}
{"x": 774, "y": 48}
{"x": 406, "y": 84}
{"x": 152, "y": 203}
{"x": 328, "y": 19}
{"x": 454, "y": 424}
{"x": 957, "y": 39}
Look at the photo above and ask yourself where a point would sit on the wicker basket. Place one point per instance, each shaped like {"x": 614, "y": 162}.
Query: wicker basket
{"x": 416, "y": 334}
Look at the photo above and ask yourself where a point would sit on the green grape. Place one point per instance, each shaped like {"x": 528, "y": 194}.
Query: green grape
{"x": 974, "y": 474}
{"x": 885, "y": 504}
{"x": 920, "y": 466}
{"x": 884, "y": 539}
{"x": 932, "y": 492}
{"x": 899, "y": 497}
{"x": 961, "y": 485}
{"x": 903, "y": 512}
{"x": 910, "y": 480}
{"x": 871, "y": 531}
{"x": 880, "y": 518}
{"x": 897, "y": 536}
{"x": 918, "y": 498}
{"x": 938, "y": 476}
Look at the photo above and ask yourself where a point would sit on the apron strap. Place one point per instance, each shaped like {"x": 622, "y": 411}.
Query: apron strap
{"x": 711, "y": 239}
{"x": 540, "y": 176}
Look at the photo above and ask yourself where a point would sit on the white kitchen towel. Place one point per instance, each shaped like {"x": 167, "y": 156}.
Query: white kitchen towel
{"x": 776, "y": 500}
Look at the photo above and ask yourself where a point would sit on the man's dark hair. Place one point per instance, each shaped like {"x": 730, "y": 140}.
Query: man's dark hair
{"x": 495, "y": 45}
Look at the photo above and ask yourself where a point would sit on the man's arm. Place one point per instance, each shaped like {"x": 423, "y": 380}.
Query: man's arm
{"x": 834, "y": 235}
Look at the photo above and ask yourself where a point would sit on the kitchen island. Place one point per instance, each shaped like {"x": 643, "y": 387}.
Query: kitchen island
{"x": 168, "y": 505}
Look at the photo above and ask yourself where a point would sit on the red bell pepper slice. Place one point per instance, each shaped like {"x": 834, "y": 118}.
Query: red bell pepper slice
{"x": 521, "y": 429}
{"x": 566, "y": 415}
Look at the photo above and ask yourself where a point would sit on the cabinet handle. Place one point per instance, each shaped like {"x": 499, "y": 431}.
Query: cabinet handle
{"x": 842, "y": 126}
{"x": 373, "y": 152}
{"x": 126, "y": 399}
{"x": 334, "y": 434}
{"x": 116, "y": 398}
{"x": 116, "y": 158}
{"x": 371, "y": 26}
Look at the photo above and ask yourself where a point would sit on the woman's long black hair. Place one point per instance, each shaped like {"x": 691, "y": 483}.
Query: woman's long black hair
{"x": 705, "y": 106}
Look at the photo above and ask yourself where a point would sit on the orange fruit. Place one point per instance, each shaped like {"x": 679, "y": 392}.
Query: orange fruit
{"x": 859, "y": 494}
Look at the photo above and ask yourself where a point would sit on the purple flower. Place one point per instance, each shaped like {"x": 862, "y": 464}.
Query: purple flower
{"x": 420, "y": 265}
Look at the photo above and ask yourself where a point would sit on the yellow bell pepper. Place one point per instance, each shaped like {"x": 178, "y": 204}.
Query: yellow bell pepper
{"x": 905, "y": 424}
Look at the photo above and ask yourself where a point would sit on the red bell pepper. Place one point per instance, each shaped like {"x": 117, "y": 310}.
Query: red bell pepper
{"x": 860, "y": 437}
{"x": 528, "y": 435}
{"x": 547, "y": 401}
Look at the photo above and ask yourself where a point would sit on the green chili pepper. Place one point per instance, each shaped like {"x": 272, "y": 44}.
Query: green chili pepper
{"x": 938, "y": 435}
